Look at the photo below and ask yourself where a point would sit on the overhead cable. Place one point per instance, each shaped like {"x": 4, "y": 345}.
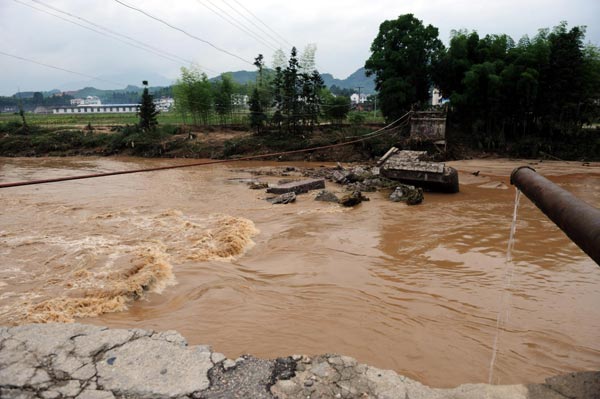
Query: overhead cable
{"x": 263, "y": 23}
{"x": 224, "y": 15}
{"x": 376, "y": 133}
{"x": 146, "y": 48}
{"x": 61, "y": 69}
{"x": 162, "y": 21}
{"x": 275, "y": 40}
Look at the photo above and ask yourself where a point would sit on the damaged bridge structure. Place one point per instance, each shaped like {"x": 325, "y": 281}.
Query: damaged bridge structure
{"x": 90, "y": 362}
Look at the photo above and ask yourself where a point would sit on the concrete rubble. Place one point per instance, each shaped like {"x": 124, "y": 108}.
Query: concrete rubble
{"x": 297, "y": 187}
{"x": 89, "y": 362}
{"x": 283, "y": 198}
{"x": 410, "y": 194}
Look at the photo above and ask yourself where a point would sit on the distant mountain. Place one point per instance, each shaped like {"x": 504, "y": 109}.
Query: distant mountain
{"x": 241, "y": 77}
{"x": 162, "y": 86}
{"x": 352, "y": 82}
{"x": 127, "y": 78}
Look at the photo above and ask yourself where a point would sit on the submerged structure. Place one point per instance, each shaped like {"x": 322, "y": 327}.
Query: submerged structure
{"x": 429, "y": 127}
{"x": 412, "y": 167}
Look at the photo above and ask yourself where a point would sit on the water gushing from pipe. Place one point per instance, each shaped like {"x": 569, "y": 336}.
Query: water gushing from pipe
{"x": 506, "y": 292}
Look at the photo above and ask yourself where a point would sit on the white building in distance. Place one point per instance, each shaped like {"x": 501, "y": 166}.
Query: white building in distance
{"x": 89, "y": 100}
{"x": 97, "y": 109}
{"x": 355, "y": 98}
{"x": 164, "y": 104}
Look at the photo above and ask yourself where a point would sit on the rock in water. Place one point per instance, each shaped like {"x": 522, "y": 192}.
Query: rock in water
{"x": 258, "y": 185}
{"x": 298, "y": 187}
{"x": 327, "y": 196}
{"x": 415, "y": 197}
{"x": 410, "y": 194}
{"x": 353, "y": 199}
{"x": 283, "y": 198}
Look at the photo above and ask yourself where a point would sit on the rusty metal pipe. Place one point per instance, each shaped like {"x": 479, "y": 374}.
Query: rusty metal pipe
{"x": 579, "y": 220}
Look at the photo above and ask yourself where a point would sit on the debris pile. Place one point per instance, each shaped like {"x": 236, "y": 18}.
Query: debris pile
{"x": 353, "y": 199}
{"x": 409, "y": 194}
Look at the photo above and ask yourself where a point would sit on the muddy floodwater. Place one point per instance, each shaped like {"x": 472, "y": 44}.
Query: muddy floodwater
{"x": 414, "y": 289}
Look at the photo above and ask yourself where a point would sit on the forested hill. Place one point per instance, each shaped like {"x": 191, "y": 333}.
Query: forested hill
{"x": 352, "y": 82}
{"x": 131, "y": 93}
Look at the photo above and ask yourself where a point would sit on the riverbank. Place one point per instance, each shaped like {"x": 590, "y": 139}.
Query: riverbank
{"x": 173, "y": 141}
{"x": 223, "y": 142}
{"x": 90, "y": 362}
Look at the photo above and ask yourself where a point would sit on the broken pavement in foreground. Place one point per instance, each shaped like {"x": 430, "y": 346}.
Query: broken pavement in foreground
{"x": 89, "y": 362}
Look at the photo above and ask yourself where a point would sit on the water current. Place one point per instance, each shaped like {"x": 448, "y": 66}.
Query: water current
{"x": 413, "y": 289}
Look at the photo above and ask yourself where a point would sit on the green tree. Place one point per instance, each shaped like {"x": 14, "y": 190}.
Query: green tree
{"x": 401, "y": 59}
{"x": 257, "y": 114}
{"x": 38, "y": 98}
{"x": 336, "y": 108}
{"x": 223, "y": 97}
{"x": 296, "y": 96}
{"x": 290, "y": 107}
{"x": 193, "y": 95}
{"x": 147, "y": 112}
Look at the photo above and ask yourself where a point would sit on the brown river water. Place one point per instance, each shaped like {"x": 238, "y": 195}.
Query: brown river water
{"x": 414, "y": 289}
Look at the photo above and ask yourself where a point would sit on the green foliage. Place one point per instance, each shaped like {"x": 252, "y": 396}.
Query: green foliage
{"x": 501, "y": 92}
{"x": 151, "y": 143}
{"x": 401, "y": 60}
{"x": 357, "y": 118}
{"x": 336, "y": 108}
{"x": 223, "y": 92}
{"x": 297, "y": 96}
{"x": 193, "y": 96}
{"x": 148, "y": 112}
{"x": 257, "y": 114}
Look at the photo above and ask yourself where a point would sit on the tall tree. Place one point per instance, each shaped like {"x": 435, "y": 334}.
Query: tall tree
{"x": 336, "y": 108}
{"x": 256, "y": 103}
{"x": 290, "y": 107}
{"x": 278, "y": 59}
{"x": 223, "y": 97}
{"x": 307, "y": 59}
{"x": 257, "y": 114}
{"x": 147, "y": 112}
{"x": 401, "y": 60}
{"x": 193, "y": 95}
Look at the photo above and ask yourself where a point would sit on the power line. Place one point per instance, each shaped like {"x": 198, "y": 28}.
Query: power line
{"x": 182, "y": 31}
{"x": 150, "y": 50}
{"x": 107, "y": 30}
{"x": 277, "y": 41}
{"x": 232, "y": 21}
{"x": 264, "y": 24}
{"x": 61, "y": 69}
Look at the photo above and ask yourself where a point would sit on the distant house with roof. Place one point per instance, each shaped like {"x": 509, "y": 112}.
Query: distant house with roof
{"x": 97, "y": 109}
{"x": 356, "y": 98}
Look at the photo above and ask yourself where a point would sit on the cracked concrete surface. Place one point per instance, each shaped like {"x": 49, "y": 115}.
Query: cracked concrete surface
{"x": 88, "y": 362}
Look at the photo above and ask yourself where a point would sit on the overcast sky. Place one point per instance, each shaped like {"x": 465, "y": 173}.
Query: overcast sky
{"x": 342, "y": 30}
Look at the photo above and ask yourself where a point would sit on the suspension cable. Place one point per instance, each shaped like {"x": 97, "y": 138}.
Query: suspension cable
{"x": 376, "y": 133}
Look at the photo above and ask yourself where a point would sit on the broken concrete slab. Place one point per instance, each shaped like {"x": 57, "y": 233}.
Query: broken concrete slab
{"x": 327, "y": 196}
{"x": 154, "y": 369}
{"x": 42, "y": 361}
{"x": 283, "y": 198}
{"x": 297, "y": 187}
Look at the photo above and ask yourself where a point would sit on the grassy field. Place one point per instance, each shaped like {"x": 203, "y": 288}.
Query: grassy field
{"x": 166, "y": 118}
{"x": 84, "y": 119}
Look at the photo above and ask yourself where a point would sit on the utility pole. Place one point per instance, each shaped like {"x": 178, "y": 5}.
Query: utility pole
{"x": 375, "y": 107}
{"x": 359, "y": 87}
